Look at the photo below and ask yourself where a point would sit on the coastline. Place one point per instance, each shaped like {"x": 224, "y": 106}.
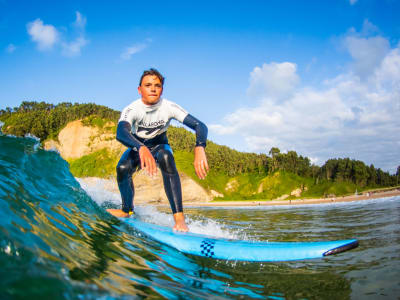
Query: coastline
{"x": 364, "y": 196}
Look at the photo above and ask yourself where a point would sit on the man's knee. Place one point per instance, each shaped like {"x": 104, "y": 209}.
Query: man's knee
{"x": 124, "y": 169}
{"x": 166, "y": 161}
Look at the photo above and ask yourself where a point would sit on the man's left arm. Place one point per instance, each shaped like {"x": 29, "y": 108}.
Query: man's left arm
{"x": 200, "y": 158}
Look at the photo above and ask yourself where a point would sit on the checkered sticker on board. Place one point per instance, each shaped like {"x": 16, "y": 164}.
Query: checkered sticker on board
{"x": 207, "y": 248}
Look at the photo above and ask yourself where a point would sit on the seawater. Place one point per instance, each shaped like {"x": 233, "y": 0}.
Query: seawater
{"x": 57, "y": 242}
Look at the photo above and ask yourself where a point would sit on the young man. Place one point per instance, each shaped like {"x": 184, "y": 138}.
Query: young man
{"x": 142, "y": 127}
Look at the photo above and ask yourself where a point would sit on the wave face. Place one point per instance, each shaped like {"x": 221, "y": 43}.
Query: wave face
{"x": 57, "y": 242}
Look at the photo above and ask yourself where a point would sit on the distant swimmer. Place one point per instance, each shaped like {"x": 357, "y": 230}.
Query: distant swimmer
{"x": 142, "y": 127}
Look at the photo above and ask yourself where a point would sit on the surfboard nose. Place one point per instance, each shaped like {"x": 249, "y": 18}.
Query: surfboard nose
{"x": 351, "y": 245}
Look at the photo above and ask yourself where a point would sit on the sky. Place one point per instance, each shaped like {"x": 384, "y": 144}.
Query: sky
{"x": 318, "y": 77}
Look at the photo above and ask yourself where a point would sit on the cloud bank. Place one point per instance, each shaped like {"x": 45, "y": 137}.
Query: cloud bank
{"x": 355, "y": 114}
{"x": 48, "y": 36}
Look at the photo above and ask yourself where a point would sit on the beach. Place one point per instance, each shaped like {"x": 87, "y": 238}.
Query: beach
{"x": 362, "y": 196}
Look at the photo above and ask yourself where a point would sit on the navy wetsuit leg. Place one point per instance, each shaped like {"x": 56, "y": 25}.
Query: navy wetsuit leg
{"x": 172, "y": 183}
{"x": 127, "y": 165}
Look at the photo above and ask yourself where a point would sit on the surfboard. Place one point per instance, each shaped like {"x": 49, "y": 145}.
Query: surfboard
{"x": 240, "y": 250}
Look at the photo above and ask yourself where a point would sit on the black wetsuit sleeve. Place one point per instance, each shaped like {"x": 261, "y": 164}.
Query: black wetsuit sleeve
{"x": 199, "y": 127}
{"x": 125, "y": 136}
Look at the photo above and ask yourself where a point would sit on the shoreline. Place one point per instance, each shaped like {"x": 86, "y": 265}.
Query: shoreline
{"x": 364, "y": 196}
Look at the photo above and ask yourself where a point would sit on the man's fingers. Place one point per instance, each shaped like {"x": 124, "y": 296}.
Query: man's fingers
{"x": 147, "y": 161}
{"x": 201, "y": 169}
{"x": 206, "y": 165}
{"x": 153, "y": 167}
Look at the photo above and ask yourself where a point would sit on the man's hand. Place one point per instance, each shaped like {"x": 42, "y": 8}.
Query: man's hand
{"x": 147, "y": 161}
{"x": 180, "y": 224}
{"x": 200, "y": 162}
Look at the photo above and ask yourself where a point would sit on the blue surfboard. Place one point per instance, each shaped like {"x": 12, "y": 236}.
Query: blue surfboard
{"x": 218, "y": 248}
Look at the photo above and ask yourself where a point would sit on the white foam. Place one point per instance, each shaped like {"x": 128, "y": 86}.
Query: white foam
{"x": 31, "y": 136}
{"x": 102, "y": 191}
{"x": 206, "y": 226}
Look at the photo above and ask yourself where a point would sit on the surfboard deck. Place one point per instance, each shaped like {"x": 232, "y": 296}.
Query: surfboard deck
{"x": 227, "y": 249}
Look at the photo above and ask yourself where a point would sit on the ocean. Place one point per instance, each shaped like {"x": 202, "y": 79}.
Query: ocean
{"x": 58, "y": 242}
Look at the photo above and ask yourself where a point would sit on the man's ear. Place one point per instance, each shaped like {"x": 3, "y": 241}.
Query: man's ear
{"x": 139, "y": 90}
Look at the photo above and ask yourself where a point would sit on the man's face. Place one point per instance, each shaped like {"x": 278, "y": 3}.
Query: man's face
{"x": 150, "y": 89}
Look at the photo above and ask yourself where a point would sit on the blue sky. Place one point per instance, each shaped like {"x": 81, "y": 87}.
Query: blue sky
{"x": 318, "y": 77}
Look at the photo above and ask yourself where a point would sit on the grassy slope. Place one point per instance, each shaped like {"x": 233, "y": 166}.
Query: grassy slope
{"x": 101, "y": 164}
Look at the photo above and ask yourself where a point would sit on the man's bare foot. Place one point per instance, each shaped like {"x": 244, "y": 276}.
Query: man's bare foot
{"x": 180, "y": 224}
{"x": 118, "y": 213}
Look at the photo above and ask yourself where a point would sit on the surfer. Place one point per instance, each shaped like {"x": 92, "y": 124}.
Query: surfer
{"x": 142, "y": 127}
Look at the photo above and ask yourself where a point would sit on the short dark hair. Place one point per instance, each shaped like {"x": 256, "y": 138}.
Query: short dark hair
{"x": 152, "y": 72}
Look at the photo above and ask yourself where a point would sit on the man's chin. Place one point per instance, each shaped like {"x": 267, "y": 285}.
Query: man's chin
{"x": 151, "y": 101}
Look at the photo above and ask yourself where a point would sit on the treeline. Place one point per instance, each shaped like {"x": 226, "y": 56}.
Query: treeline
{"x": 233, "y": 162}
{"x": 355, "y": 171}
{"x": 334, "y": 170}
{"x": 46, "y": 120}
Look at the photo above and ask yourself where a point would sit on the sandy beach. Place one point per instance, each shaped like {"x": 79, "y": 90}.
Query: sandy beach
{"x": 362, "y": 196}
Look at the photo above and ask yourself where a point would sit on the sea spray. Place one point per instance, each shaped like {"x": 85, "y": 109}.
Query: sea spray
{"x": 104, "y": 193}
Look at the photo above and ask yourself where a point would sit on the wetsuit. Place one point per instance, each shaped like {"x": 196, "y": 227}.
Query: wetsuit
{"x": 146, "y": 125}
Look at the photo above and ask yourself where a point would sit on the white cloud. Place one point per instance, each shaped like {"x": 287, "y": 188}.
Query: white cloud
{"x": 44, "y": 35}
{"x": 349, "y": 116}
{"x": 131, "y": 50}
{"x": 11, "y": 48}
{"x": 352, "y": 2}
{"x": 70, "y": 41}
{"x": 367, "y": 53}
{"x": 80, "y": 21}
{"x": 273, "y": 80}
{"x": 74, "y": 48}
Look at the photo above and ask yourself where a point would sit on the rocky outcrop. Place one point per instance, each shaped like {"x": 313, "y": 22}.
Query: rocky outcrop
{"x": 76, "y": 140}
{"x": 297, "y": 192}
{"x": 232, "y": 185}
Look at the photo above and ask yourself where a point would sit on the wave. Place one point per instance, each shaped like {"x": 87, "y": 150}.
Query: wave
{"x": 56, "y": 240}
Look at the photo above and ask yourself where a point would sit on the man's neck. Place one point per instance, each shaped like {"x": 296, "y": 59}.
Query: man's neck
{"x": 152, "y": 104}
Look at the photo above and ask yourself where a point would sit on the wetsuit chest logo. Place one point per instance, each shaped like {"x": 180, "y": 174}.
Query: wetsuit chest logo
{"x": 149, "y": 128}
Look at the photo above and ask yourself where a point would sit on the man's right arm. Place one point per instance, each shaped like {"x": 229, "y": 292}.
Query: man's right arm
{"x": 125, "y": 136}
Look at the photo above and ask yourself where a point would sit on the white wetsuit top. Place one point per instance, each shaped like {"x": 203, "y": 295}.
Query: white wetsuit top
{"x": 149, "y": 121}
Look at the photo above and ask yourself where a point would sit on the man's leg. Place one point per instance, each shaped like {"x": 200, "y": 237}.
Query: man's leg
{"x": 172, "y": 183}
{"x": 126, "y": 166}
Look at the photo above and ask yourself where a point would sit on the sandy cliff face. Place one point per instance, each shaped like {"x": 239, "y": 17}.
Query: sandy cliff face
{"x": 77, "y": 140}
